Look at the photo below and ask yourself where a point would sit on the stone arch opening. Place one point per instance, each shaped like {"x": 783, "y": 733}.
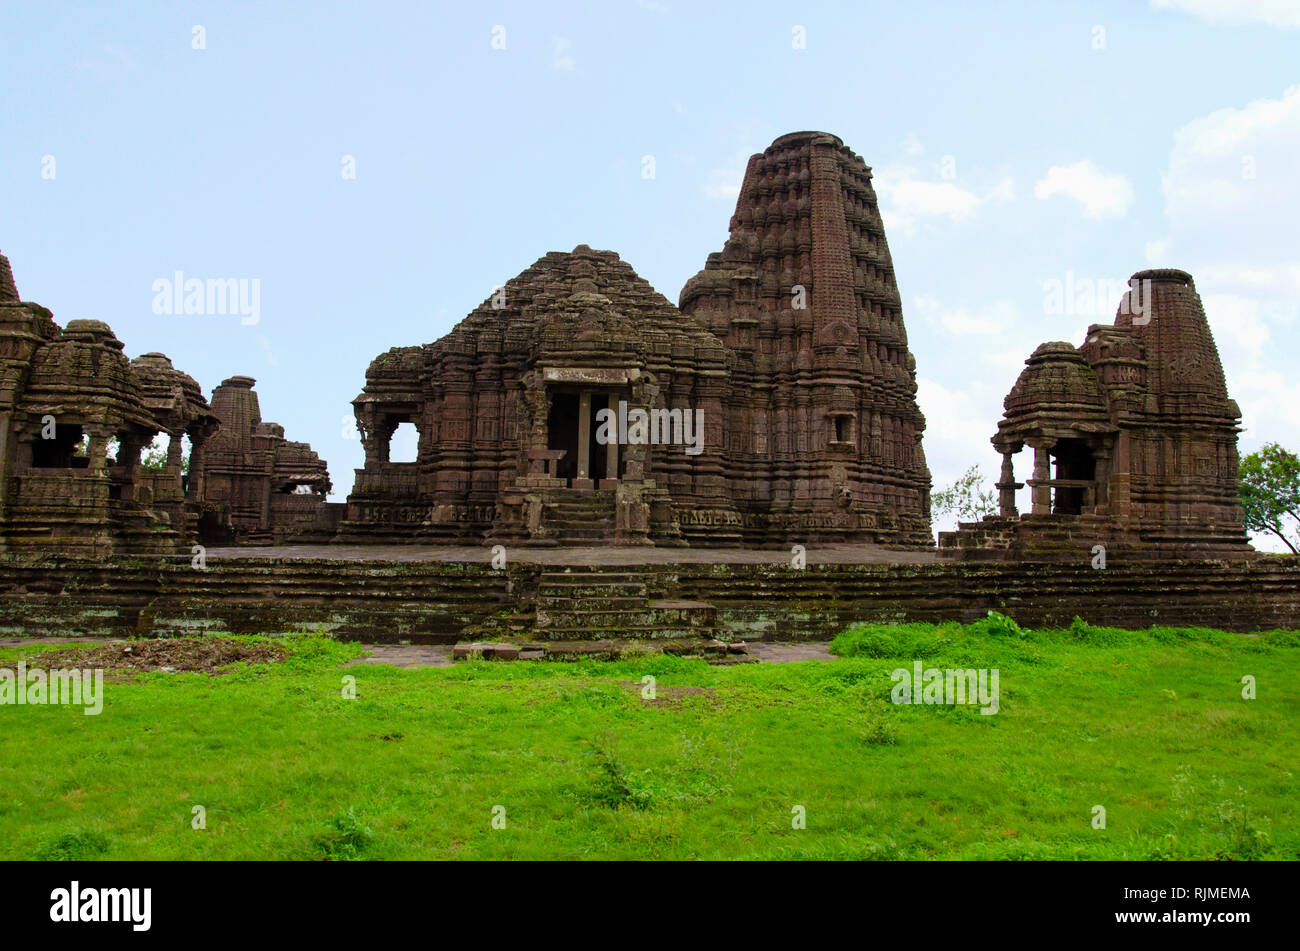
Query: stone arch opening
{"x": 404, "y": 442}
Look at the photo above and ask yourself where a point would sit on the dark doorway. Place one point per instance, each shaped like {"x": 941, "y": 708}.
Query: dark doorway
{"x": 562, "y": 429}
{"x": 61, "y": 451}
{"x": 1074, "y": 460}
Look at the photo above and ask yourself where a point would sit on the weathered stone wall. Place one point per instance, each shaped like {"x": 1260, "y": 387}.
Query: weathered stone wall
{"x": 436, "y": 601}
{"x": 783, "y": 604}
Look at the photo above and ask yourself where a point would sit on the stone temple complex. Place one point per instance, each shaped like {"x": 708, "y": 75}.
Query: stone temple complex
{"x": 1134, "y": 441}
{"x": 773, "y": 406}
{"x": 777, "y": 404}
{"x": 75, "y": 416}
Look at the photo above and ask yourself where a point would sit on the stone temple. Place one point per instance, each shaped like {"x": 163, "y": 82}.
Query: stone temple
{"x": 257, "y": 486}
{"x": 75, "y": 416}
{"x": 775, "y": 405}
{"x": 1134, "y": 441}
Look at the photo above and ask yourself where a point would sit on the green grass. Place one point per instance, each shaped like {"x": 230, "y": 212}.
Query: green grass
{"x": 1151, "y": 725}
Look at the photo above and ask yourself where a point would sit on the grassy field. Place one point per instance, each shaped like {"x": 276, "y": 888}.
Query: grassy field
{"x": 575, "y": 763}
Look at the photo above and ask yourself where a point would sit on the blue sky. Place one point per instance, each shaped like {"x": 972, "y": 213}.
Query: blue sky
{"x": 1013, "y": 144}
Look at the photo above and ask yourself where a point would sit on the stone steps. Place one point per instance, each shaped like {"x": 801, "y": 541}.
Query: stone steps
{"x": 714, "y": 651}
{"x": 589, "y": 602}
{"x": 572, "y": 515}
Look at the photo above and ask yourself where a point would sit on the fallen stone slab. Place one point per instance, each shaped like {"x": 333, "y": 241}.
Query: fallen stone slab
{"x": 488, "y": 650}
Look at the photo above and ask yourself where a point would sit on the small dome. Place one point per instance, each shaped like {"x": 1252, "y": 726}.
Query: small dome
{"x": 1057, "y": 381}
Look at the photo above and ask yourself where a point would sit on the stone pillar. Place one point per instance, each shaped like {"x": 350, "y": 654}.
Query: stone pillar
{"x": 194, "y": 487}
{"x": 97, "y": 453}
{"x": 1101, "y": 473}
{"x": 611, "y": 464}
{"x": 175, "y": 458}
{"x": 1042, "y": 474}
{"x": 265, "y": 522}
{"x": 1007, "y": 486}
{"x": 583, "y": 479}
{"x": 128, "y": 455}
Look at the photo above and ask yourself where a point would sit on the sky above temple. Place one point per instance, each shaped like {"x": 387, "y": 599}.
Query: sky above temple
{"x": 377, "y": 169}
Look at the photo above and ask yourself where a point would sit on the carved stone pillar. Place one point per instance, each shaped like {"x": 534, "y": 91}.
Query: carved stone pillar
{"x": 194, "y": 487}
{"x": 1101, "y": 473}
{"x": 97, "y": 453}
{"x": 583, "y": 478}
{"x": 611, "y": 465}
{"x": 1042, "y": 492}
{"x": 175, "y": 460}
{"x": 1007, "y": 486}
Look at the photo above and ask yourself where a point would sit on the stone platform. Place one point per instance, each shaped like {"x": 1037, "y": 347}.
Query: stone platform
{"x": 575, "y": 556}
{"x": 270, "y": 591}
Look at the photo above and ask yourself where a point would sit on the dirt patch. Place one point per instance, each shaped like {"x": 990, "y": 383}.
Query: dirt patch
{"x": 668, "y": 695}
{"x": 206, "y": 654}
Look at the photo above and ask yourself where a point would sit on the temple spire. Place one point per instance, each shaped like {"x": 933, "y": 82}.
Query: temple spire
{"x": 8, "y": 290}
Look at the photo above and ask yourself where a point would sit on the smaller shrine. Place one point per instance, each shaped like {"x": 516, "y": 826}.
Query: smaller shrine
{"x": 257, "y": 487}
{"x": 75, "y": 415}
{"x": 1134, "y": 442}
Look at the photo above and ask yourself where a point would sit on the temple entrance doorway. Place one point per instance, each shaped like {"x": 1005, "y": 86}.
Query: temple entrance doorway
{"x": 562, "y": 433}
{"x": 572, "y": 426}
{"x": 1074, "y": 463}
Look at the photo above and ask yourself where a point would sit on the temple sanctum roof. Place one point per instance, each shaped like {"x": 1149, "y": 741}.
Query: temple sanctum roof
{"x": 577, "y": 308}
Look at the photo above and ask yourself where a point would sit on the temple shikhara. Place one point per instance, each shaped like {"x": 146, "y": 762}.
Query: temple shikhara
{"x": 774, "y": 404}
{"x": 789, "y": 348}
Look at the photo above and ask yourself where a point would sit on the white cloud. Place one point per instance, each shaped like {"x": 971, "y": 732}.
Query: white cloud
{"x": 1283, "y": 14}
{"x": 724, "y": 181}
{"x": 1232, "y": 197}
{"x": 1238, "y": 328}
{"x": 1004, "y": 190}
{"x": 1102, "y": 194}
{"x": 272, "y": 357}
{"x": 958, "y": 427}
{"x": 560, "y": 58}
{"x": 906, "y": 199}
{"x": 995, "y": 318}
{"x": 1231, "y": 201}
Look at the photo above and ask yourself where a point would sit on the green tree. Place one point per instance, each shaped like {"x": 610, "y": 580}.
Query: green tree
{"x": 965, "y": 498}
{"x": 155, "y": 455}
{"x": 1270, "y": 493}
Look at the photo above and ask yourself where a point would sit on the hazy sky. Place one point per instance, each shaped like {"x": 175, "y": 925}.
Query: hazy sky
{"x": 1013, "y": 144}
